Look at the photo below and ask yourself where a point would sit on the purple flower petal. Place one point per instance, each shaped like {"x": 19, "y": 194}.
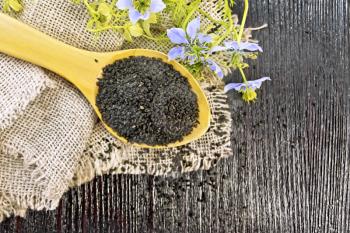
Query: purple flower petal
{"x": 177, "y": 52}
{"x": 124, "y": 4}
{"x": 215, "y": 67}
{"x": 250, "y": 46}
{"x": 134, "y": 15}
{"x": 177, "y": 36}
{"x": 255, "y": 84}
{"x": 235, "y": 86}
{"x": 146, "y": 15}
{"x": 204, "y": 38}
{"x": 191, "y": 59}
{"x": 218, "y": 49}
{"x": 193, "y": 28}
{"x": 157, "y": 6}
{"x": 232, "y": 45}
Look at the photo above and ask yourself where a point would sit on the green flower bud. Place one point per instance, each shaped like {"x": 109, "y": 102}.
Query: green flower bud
{"x": 105, "y": 13}
{"x": 249, "y": 95}
{"x": 142, "y": 5}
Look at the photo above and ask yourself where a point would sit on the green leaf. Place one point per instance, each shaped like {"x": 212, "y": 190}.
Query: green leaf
{"x": 146, "y": 24}
{"x": 178, "y": 10}
{"x": 12, "y": 5}
{"x": 215, "y": 38}
{"x": 192, "y": 8}
{"x": 127, "y": 35}
{"x": 105, "y": 13}
{"x": 15, "y": 5}
{"x": 146, "y": 27}
{"x": 90, "y": 24}
{"x": 152, "y": 19}
{"x": 136, "y": 30}
{"x": 6, "y": 7}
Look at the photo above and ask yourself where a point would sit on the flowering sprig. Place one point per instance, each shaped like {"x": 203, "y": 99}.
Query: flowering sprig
{"x": 247, "y": 88}
{"x": 193, "y": 47}
{"x": 141, "y": 9}
{"x": 218, "y": 45}
{"x": 238, "y": 47}
{"x": 133, "y": 18}
{"x": 226, "y": 40}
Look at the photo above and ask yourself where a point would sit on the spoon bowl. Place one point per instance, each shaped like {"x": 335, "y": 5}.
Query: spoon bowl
{"x": 83, "y": 68}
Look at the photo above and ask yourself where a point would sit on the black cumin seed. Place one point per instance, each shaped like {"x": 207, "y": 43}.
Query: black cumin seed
{"x": 146, "y": 101}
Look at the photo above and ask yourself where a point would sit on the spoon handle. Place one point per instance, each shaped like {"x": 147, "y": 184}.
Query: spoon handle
{"x": 22, "y": 41}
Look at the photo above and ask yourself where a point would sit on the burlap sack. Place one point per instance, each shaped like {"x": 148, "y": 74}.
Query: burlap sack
{"x": 215, "y": 10}
{"x": 20, "y": 83}
{"x": 39, "y": 152}
{"x": 44, "y": 146}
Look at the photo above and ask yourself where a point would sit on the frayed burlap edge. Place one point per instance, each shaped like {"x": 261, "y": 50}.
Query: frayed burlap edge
{"x": 10, "y": 117}
{"x": 18, "y": 205}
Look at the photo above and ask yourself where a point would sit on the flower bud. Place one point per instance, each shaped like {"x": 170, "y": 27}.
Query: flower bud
{"x": 249, "y": 95}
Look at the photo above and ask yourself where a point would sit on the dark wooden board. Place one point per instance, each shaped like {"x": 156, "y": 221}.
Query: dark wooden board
{"x": 290, "y": 169}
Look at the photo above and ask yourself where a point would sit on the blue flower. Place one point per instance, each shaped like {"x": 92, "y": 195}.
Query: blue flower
{"x": 255, "y": 84}
{"x": 247, "y": 89}
{"x": 141, "y": 9}
{"x": 192, "y": 45}
{"x": 251, "y": 47}
{"x": 241, "y": 46}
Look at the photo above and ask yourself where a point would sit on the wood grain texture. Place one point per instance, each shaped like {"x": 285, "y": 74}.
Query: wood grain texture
{"x": 290, "y": 170}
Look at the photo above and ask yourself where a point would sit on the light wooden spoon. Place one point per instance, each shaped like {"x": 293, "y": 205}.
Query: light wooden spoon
{"x": 83, "y": 68}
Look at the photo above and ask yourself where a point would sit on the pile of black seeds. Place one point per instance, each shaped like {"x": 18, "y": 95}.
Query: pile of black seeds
{"x": 146, "y": 101}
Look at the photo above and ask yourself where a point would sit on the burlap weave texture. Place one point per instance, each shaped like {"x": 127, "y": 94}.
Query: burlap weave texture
{"x": 49, "y": 136}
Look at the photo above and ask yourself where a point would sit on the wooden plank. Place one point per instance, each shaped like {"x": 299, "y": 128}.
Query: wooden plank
{"x": 9, "y": 225}
{"x": 36, "y": 222}
{"x": 290, "y": 170}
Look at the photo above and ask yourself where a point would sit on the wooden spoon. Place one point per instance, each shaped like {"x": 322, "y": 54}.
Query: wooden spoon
{"x": 83, "y": 68}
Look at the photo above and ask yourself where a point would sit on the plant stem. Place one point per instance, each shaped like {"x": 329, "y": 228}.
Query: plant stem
{"x": 90, "y": 9}
{"x": 187, "y": 19}
{"x": 243, "y": 75}
{"x": 246, "y": 7}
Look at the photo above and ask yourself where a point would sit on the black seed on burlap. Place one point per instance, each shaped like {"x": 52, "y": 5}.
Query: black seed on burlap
{"x": 146, "y": 101}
